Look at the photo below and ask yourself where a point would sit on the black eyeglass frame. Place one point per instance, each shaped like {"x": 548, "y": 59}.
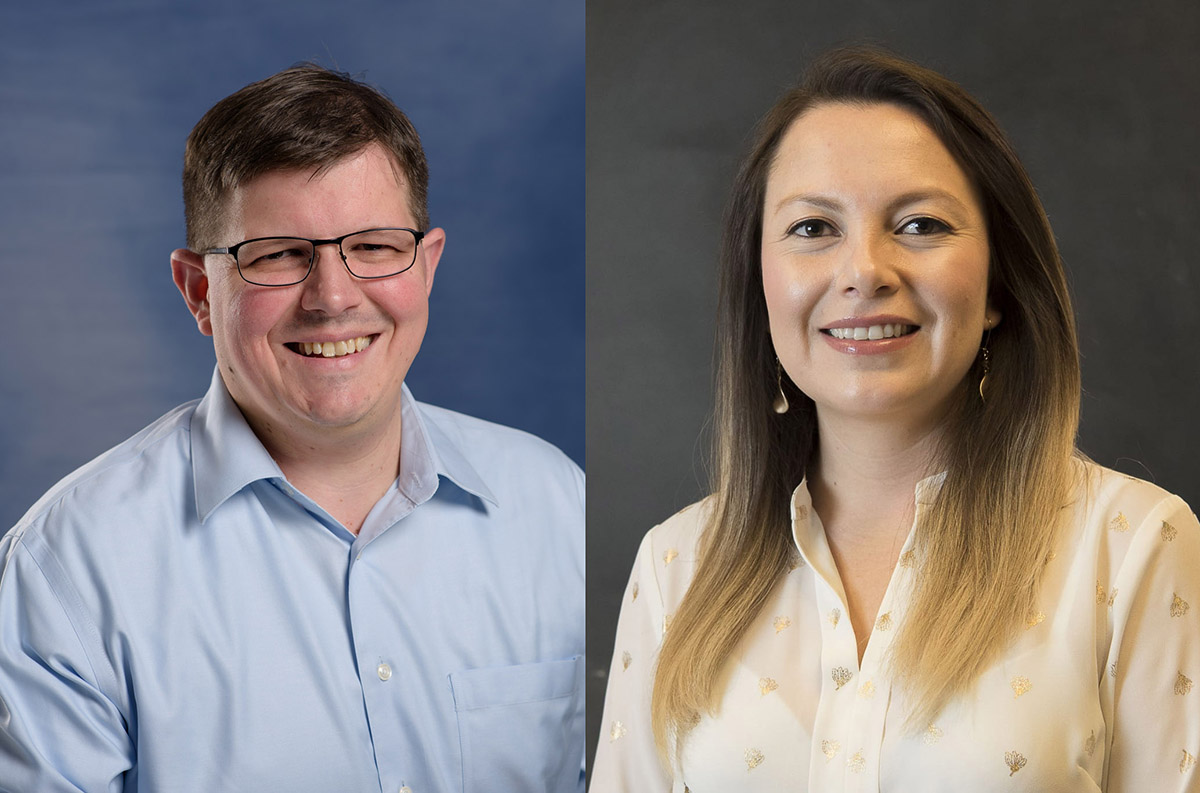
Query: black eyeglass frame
{"x": 312, "y": 258}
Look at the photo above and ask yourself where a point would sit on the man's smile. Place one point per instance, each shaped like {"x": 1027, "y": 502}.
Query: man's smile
{"x": 331, "y": 349}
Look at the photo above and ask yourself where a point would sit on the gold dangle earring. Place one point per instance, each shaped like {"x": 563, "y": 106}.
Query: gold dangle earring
{"x": 781, "y": 403}
{"x": 987, "y": 364}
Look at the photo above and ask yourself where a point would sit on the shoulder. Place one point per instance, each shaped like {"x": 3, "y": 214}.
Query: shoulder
{"x": 682, "y": 531}
{"x": 502, "y": 453}
{"x": 1121, "y": 506}
{"x": 1103, "y": 488}
{"x": 114, "y": 488}
{"x": 1132, "y": 528}
{"x": 487, "y": 437}
{"x": 669, "y": 552}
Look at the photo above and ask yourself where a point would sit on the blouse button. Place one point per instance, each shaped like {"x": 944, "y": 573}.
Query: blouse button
{"x": 384, "y": 671}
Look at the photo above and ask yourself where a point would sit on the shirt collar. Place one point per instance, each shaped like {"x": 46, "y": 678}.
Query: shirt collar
{"x": 227, "y": 455}
{"x": 426, "y": 444}
{"x": 808, "y": 534}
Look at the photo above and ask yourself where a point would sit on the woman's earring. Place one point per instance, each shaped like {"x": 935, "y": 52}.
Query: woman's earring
{"x": 987, "y": 367}
{"x": 781, "y": 404}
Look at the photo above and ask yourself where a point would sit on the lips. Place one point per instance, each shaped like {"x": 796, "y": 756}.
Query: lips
{"x": 870, "y": 335}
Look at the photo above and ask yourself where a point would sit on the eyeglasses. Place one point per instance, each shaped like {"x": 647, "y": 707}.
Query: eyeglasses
{"x": 284, "y": 261}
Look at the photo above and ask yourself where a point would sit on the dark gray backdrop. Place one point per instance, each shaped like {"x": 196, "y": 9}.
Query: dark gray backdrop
{"x": 1103, "y": 103}
{"x": 98, "y": 99}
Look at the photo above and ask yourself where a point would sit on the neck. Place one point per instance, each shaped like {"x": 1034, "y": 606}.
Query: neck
{"x": 865, "y": 473}
{"x": 345, "y": 472}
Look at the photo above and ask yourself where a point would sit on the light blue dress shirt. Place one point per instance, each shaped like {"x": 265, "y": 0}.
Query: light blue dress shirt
{"x": 174, "y": 616}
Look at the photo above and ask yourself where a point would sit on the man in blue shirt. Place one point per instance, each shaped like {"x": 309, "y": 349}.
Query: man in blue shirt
{"x": 306, "y": 580}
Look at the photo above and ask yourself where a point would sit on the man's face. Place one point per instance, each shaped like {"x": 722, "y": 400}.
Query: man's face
{"x": 260, "y": 333}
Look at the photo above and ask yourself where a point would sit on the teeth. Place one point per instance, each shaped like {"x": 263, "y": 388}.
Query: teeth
{"x": 334, "y": 349}
{"x": 871, "y": 332}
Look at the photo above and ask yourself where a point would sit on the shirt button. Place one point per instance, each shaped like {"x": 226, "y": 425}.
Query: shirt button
{"x": 384, "y": 671}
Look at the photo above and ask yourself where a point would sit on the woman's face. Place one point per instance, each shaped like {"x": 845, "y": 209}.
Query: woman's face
{"x": 874, "y": 264}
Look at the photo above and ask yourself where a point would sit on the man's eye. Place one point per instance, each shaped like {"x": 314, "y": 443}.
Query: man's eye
{"x": 811, "y": 228}
{"x": 274, "y": 258}
{"x": 921, "y": 226}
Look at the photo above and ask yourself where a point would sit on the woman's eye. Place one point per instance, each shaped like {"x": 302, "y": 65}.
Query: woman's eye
{"x": 923, "y": 226}
{"x": 811, "y": 228}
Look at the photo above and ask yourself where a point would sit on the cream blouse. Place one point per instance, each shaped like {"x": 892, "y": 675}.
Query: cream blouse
{"x": 1095, "y": 694}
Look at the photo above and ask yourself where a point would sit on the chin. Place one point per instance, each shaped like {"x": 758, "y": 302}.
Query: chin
{"x": 335, "y": 416}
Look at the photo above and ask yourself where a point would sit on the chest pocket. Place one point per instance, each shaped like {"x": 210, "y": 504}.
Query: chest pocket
{"x": 521, "y": 727}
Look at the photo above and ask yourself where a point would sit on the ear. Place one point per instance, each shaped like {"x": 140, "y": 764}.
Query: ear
{"x": 433, "y": 243}
{"x": 991, "y": 317}
{"x": 187, "y": 271}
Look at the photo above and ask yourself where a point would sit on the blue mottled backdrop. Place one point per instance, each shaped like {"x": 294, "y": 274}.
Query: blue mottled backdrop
{"x": 97, "y": 100}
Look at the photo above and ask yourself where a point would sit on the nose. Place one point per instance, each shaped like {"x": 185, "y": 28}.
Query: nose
{"x": 867, "y": 269}
{"x": 330, "y": 288}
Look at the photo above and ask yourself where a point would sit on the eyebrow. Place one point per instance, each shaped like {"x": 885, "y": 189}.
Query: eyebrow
{"x": 902, "y": 200}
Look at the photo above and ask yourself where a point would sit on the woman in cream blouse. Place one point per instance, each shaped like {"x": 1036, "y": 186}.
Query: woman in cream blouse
{"x": 906, "y": 579}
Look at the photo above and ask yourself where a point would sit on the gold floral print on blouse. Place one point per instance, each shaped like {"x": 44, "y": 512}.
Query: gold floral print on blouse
{"x": 830, "y": 749}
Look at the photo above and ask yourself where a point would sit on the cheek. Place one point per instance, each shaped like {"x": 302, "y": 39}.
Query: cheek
{"x": 963, "y": 292}
{"x": 788, "y": 298}
{"x": 247, "y": 316}
{"x": 406, "y": 304}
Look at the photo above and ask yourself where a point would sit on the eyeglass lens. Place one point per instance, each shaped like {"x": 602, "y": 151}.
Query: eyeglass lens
{"x": 368, "y": 254}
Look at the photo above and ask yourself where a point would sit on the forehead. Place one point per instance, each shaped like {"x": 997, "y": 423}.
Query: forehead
{"x": 362, "y": 190}
{"x": 863, "y": 154}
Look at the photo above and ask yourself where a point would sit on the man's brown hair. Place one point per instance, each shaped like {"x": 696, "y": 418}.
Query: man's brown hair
{"x": 303, "y": 117}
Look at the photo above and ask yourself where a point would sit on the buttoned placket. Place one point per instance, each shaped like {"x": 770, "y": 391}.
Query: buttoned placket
{"x": 848, "y": 728}
{"x": 376, "y": 672}
{"x": 379, "y": 675}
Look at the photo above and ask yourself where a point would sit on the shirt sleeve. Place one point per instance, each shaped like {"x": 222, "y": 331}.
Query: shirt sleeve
{"x": 58, "y": 731}
{"x": 1148, "y": 687}
{"x": 626, "y": 758}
